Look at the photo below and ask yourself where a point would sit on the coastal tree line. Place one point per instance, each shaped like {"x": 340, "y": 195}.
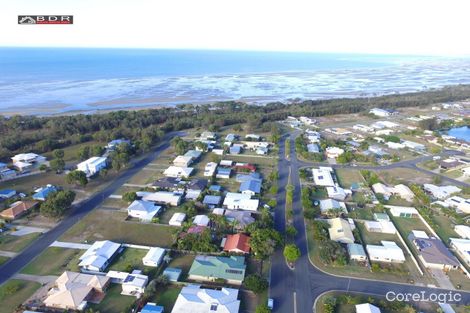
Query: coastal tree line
{"x": 146, "y": 127}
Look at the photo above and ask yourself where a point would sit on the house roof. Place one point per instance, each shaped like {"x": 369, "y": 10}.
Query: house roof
{"x": 43, "y": 192}
{"x": 196, "y": 229}
{"x": 212, "y": 200}
{"x": 237, "y": 242}
{"x": 144, "y": 206}
{"x": 152, "y": 308}
{"x": 99, "y": 253}
{"x": 322, "y": 177}
{"x": 215, "y": 188}
{"x": 433, "y": 251}
{"x": 18, "y": 208}
{"x": 172, "y": 273}
{"x": 329, "y": 204}
{"x": 7, "y": 192}
{"x": 167, "y": 182}
{"x": 356, "y": 249}
{"x": 197, "y": 184}
{"x": 230, "y": 268}
{"x": 193, "y": 154}
{"x": 246, "y": 166}
{"x": 201, "y": 300}
{"x": 155, "y": 254}
{"x": 244, "y": 177}
{"x": 224, "y": 171}
{"x": 177, "y": 217}
{"x": 340, "y": 230}
{"x": 367, "y": 308}
{"x": 253, "y": 185}
{"x": 201, "y": 220}
{"x": 242, "y": 217}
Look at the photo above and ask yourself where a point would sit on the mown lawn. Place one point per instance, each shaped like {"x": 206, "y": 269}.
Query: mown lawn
{"x": 128, "y": 260}
{"x": 16, "y": 243}
{"x": 14, "y": 292}
{"x": 3, "y": 259}
{"x": 54, "y": 261}
{"x": 184, "y": 262}
{"x": 114, "y": 302}
{"x": 166, "y": 296}
{"x": 346, "y": 177}
{"x": 111, "y": 225}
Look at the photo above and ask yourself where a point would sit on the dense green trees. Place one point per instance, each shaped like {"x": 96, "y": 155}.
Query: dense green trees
{"x": 76, "y": 177}
{"x": 57, "y": 203}
{"x": 129, "y": 196}
{"x": 263, "y": 242}
{"x": 291, "y": 253}
{"x": 255, "y": 283}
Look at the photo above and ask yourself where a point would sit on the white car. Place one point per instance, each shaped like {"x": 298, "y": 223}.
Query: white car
{"x": 270, "y": 303}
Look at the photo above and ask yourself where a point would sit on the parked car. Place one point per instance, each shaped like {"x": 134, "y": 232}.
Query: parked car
{"x": 270, "y": 303}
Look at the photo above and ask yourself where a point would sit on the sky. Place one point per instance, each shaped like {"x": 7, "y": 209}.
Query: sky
{"x": 421, "y": 27}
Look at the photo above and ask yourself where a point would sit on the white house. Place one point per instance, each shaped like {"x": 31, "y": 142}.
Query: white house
{"x": 24, "y": 161}
{"x": 367, "y": 308}
{"x": 337, "y": 193}
{"x": 240, "y": 201}
{"x": 209, "y": 169}
{"x": 177, "y": 219}
{"x": 463, "y": 231}
{"x": 462, "y": 247}
{"x": 253, "y": 136}
{"x": 413, "y": 145}
{"x": 380, "y": 112}
{"x": 201, "y": 220}
{"x": 154, "y": 257}
{"x": 99, "y": 255}
{"x": 162, "y": 197}
{"x": 441, "y": 192}
{"x": 384, "y": 124}
{"x": 322, "y": 176}
{"x": 356, "y": 252}
{"x": 340, "y": 230}
{"x": 195, "y": 299}
{"x": 389, "y": 251}
{"x": 333, "y": 152}
{"x": 466, "y": 171}
{"x": 176, "y": 171}
{"x": 133, "y": 284}
{"x": 384, "y": 227}
{"x": 400, "y": 190}
{"x": 143, "y": 210}
{"x": 461, "y": 205}
{"x": 92, "y": 166}
{"x": 182, "y": 161}
{"x": 331, "y": 204}
{"x": 395, "y": 145}
{"x": 403, "y": 211}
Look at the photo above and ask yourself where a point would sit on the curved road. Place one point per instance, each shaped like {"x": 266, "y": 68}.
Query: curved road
{"x": 296, "y": 290}
{"x": 14, "y": 265}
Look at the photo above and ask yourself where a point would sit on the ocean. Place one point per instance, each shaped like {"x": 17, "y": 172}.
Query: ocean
{"x": 64, "y": 80}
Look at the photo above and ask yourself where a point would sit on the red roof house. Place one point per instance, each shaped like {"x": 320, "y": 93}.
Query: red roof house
{"x": 17, "y": 209}
{"x": 238, "y": 243}
{"x": 245, "y": 167}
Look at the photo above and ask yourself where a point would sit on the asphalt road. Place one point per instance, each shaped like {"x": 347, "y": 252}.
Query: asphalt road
{"x": 296, "y": 290}
{"x": 14, "y": 265}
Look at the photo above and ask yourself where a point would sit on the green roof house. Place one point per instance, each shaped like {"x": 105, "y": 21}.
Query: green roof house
{"x": 210, "y": 268}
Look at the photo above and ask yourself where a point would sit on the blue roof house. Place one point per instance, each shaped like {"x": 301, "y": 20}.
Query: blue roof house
{"x": 172, "y": 273}
{"x": 7, "y": 193}
{"x": 223, "y": 172}
{"x": 43, "y": 192}
{"x": 151, "y": 307}
{"x": 251, "y": 187}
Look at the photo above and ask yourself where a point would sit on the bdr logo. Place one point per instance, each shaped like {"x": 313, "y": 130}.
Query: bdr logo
{"x": 45, "y": 19}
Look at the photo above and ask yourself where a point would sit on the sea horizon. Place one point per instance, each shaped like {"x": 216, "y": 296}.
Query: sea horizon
{"x": 45, "y": 81}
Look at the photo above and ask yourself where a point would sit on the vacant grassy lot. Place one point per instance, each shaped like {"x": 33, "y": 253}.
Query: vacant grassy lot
{"x": 14, "y": 292}
{"x": 71, "y": 152}
{"x": 29, "y": 183}
{"x": 129, "y": 260}
{"x": 445, "y": 228}
{"x": 404, "y": 175}
{"x": 346, "y": 177}
{"x": 16, "y": 243}
{"x": 106, "y": 224}
{"x": 184, "y": 262}
{"x": 459, "y": 279}
{"x": 114, "y": 302}
{"x": 166, "y": 296}
{"x": 54, "y": 261}
{"x": 406, "y": 225}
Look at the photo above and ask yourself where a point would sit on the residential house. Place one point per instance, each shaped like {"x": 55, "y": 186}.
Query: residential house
{"x": 151, "y": 307}
{"x": 394, "y": 145}
{"x": 461, "y": 205}
{"x": 195, "y": 299}
{"x": 208, "y": 136}
{"x": 210, "y": 268}
{"x": 99, "y": 255}
{"x": 212, "y": 201}
{"x": 238, "y": 243}
{"x": 133, "y": 284}
{"x": 218, "y": 151}
{"x": 223, "y": 172}
{"x": 307, "y": 120}
{"x": 413, "y": 145}
{"x": 400, "y": 190}
{"x": 226, "y": 163}
{"x": 215, "y": 188}
{"x": 172, "y": 273}
{"x": 240, "y": 201}
{"x": 167, "y": 183}
{"x": 210, "y": 169}
{"x": 449, "y": 163}
{"x": 175, "y": 171}
{"x": 384, "y": 124}
{"x": 323, "y": 176}
{"x": 201, "y": 220}
{"x": 231, "y": 137}
{"x": 25, "y": 161}
{"x": 240, "y": 219}
{"x": 7, "y": 193}
{"x": 331, "y": 204}
{"x": 340, "y": 230}
{"x": 161, "y": 197}
{"x": 380, "y": 112}
{"x": 154, "y": 257}
{"x": 337, "y": 193}
{"x": 363, "y": 128}
{"x": 182, "y": 161}
{"x": 18, "y": 209}
{"x": 367, "y": 308}
{"x": 356, "y": 252}
{"x": 441, "y": 192}
{"x": 262, "y": 151}
{"x": 177, "y": 219}
{"x": 7, "y": 173}
{"x": 403, "y": 211}
{"x": 92, "y": 166}
{"x": 72, "y": 291}
{"x": 384, "y": 227}
{"x": 463, "y": 231}
{"x": 143, "y": 210}
{"x": 433, "y": 253}
{"x": 244, "y": 167}
{"x": 235, "y": 149}
{"x": 43, "y": 192}
{"x": 313, "y": 148}
{"x": 462, "y": 248}
{"x": 113, "y": 144}
{"x": 250, "y": 187}
{"x": 381, "y": 217}
{"x": 245, "y": 177}
{"x": 389, "y": 252}
{"x": 197, "y": 184}
{"x": 253, "y": 137}
{"x": 333, "y": 152}
{"x": 194, "y": 154}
